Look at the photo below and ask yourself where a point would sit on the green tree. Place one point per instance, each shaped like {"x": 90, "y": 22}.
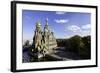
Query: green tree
{"x": 27, "y": 43}
{"x": 86, "y": 51}
{"x": 75, "y": 43}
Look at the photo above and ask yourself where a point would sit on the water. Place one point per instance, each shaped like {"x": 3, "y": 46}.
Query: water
{"x": 60, "y": 52}
{"x": 28, "y": 58}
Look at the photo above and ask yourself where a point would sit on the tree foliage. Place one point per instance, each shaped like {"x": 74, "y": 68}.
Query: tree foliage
{"x": 77, "y": 44}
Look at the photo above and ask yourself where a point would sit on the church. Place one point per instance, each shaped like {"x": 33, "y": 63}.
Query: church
{"x": 43, "y": 39}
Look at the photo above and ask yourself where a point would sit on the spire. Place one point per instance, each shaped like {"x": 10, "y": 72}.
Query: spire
{"x": 46, "y": 21}
{"x": 46, "y": 28}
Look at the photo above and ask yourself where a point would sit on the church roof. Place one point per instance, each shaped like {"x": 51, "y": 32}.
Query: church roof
{"x": 38, "y": 23}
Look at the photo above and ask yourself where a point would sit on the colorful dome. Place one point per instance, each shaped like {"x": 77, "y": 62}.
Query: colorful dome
{"x": 38, "y": 24}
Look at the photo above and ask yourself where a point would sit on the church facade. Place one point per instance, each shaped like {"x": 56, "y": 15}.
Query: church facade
{"x": 43, "y": 40}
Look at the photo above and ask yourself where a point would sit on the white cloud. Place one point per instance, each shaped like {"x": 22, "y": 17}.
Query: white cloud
{"x": 85, "y": 32}
{"x": 87, "y": 26}
{"x": 60, "y": 12}
{"x": 74, "y": 28}
{"x": 61, "y": 21}
{"x": 82, "y": 31}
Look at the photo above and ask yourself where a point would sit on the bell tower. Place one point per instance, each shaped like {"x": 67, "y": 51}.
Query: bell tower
{"x": 37, "y": 36}
{"x": 46, "y": 33}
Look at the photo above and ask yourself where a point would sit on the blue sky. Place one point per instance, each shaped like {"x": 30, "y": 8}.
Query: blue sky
{"x": 63, "y": 24}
